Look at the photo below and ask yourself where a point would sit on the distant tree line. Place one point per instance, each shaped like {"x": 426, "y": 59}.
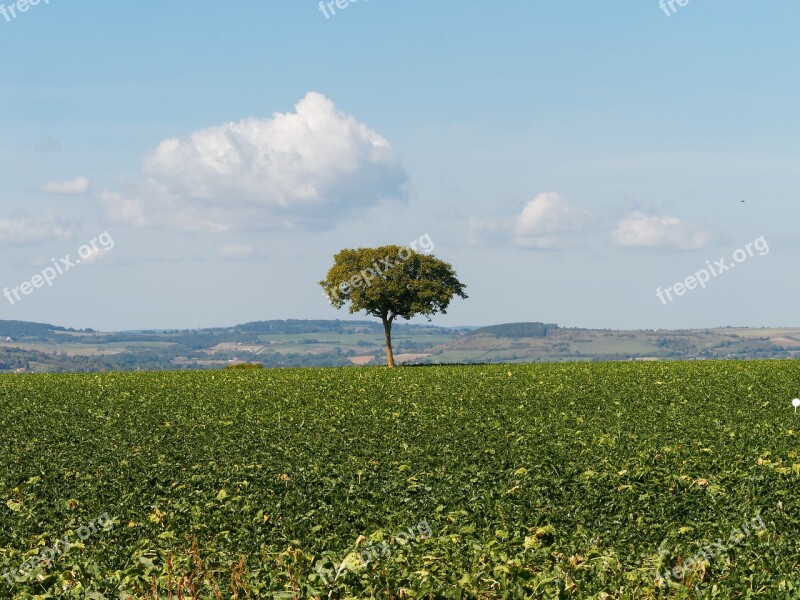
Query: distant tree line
{"x": 18, "y": 329}
{"x": 517, "y": 330}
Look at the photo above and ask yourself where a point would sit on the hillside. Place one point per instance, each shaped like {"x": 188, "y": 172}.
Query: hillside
{"x": 37, "y": 347}
{"x": 549, "y": 343}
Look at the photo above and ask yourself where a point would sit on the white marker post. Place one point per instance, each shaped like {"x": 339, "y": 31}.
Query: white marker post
{"x": 796, "y": 403}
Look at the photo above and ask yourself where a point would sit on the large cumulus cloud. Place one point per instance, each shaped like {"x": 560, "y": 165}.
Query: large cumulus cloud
{"x": 304, "y": 169}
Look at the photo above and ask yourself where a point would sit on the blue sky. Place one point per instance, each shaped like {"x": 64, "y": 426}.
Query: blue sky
{"x": 568, "y": 158}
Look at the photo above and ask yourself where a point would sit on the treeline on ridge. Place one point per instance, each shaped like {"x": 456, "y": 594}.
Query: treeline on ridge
{"x": 517, "y": 330}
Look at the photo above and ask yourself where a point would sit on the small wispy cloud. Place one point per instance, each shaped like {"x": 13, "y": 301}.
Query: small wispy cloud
{"x": 72, "y": 187}
{"x": 233, "y": 251}
{"x": 640, "y": 230}
{"x": 20, "y": 229}
{"x": 122, "y": 210}
{"x": 47, "y": 144}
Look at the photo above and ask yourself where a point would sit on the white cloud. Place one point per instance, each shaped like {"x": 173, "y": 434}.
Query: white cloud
{"x": 235, "y": 251}
{"x": 24, "y": 229}
{"x": 73, "y": 187}
{"x": 639, "y": 230}
{"x": 304, "y": 169}
{"x": 123, "y": 210}
{"x": 546, "y": 222}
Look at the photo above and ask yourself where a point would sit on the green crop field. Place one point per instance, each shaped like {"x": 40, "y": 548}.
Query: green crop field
{"x": 612, "y": 480}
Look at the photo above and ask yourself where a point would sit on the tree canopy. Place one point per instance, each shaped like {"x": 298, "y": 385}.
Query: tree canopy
{"x": 390, "y": 282}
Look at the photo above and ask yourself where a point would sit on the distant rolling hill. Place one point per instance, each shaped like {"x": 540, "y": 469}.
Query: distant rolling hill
{"x": 539, "y": 342}
{"x": 39, "y": 347}
{"x": 19, "y": 329}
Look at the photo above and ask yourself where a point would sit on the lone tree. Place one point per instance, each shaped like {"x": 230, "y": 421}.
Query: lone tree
{"x": 390, "y": 282}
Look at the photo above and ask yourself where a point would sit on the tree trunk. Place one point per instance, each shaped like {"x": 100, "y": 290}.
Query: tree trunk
{"x": 387, "y": 329}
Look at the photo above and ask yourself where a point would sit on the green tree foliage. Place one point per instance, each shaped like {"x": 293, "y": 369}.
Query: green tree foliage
{"x": 390, "y": 282}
